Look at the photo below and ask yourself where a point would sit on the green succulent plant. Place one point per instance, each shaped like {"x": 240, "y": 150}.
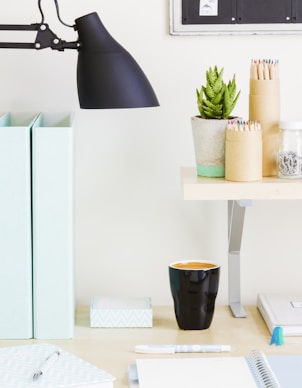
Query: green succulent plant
{"x": 217, "y": 99}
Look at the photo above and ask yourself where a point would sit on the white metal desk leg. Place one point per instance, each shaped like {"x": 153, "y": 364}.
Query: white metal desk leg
{"x": 236, "y": 212}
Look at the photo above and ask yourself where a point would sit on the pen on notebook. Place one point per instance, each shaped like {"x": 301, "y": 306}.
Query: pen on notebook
{"x": 46, "y": 364}
{"x": 165, "y": 349}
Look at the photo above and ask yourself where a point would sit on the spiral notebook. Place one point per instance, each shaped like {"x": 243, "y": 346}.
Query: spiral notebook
{"x": 18, "y": 365}
{"x": 254, "y": 371}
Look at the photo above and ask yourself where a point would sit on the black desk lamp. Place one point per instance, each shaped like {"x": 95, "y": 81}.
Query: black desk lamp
{"x": 107, "y": 75}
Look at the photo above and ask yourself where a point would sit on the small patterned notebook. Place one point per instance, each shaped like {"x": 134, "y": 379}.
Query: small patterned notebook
{"x": 19, "y": 363}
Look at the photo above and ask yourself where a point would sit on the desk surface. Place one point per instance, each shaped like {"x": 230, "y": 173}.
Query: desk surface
{"x": 113, "y": 349}
{"x": 201, "y": 188}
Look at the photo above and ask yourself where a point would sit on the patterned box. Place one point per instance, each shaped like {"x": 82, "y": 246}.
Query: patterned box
{"x": 120, "y": 312}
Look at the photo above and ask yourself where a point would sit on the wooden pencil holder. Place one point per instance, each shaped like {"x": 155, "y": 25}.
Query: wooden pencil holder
{"x": 243, "y": 156}
{"x": 264, "y": 106}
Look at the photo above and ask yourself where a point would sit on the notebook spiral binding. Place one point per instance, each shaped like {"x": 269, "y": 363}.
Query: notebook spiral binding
{"x": 261, "y": 370}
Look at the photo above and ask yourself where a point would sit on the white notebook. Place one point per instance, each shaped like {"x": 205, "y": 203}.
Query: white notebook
{"x": 19, "y": 363}
{"x": 194, "y": 373}
{"x": 282, "y": 310}
{"x": 254, "y": 371}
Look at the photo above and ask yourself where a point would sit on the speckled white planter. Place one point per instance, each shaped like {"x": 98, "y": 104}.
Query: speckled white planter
{"x": 209, "y": 144}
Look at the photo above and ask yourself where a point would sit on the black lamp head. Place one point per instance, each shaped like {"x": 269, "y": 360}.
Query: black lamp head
{"x": 107, "y": 75}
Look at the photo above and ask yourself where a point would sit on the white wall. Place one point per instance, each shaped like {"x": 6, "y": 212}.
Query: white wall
{"x": 130, "y": 219}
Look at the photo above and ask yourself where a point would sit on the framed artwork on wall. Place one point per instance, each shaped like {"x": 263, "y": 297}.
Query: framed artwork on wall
{"x": 211, "y": 17}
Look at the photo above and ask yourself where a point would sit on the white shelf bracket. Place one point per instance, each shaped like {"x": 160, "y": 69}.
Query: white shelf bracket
{"x": 236, "y": 213}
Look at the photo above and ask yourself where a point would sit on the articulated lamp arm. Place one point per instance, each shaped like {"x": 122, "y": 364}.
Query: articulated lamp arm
{"x": 45, "y": 38}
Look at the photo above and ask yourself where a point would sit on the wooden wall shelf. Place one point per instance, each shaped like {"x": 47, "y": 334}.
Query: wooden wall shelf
{"x": 200, "y": 188}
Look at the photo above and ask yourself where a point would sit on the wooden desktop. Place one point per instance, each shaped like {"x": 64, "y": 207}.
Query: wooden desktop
{"x": 113, "y": 349}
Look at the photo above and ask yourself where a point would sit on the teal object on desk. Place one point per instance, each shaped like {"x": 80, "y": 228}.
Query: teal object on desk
{"x": 277, "y": 337}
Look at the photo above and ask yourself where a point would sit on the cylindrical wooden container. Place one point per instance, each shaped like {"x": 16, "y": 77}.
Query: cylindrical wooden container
{"x": 264, "y": 106}
{"x": 243, "y": 156}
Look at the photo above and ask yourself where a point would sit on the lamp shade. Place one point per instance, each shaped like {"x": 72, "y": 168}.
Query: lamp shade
{"x": 107, "y": 75}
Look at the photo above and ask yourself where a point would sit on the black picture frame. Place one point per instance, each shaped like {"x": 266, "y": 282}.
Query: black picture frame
{"x": 236, "y": 17}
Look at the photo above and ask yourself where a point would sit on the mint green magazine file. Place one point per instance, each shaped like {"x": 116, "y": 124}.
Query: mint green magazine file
{"x": 52, "y": 193}
{"x": 15, "y": 226}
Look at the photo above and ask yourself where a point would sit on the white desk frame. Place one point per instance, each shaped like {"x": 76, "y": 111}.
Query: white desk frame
{"x": 239, "y": 195}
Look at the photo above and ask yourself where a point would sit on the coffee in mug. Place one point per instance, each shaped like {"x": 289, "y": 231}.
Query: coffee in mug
{"x": 200, "y": 265}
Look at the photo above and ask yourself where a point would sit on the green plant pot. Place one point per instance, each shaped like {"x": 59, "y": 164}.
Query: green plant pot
{"x": 209, "y": 145}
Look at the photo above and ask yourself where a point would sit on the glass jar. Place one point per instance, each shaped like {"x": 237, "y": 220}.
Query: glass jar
{"x": 289, "y": 159}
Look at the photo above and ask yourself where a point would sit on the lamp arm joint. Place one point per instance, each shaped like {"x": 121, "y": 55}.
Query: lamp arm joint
{"x": 46, "y": 38}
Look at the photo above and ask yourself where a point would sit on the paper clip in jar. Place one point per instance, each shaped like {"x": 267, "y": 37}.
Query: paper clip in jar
{"x": 289, "y": 158}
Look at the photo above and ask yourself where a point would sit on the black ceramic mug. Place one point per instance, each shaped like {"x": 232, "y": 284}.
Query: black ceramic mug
{"x": 194, "y": 287}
